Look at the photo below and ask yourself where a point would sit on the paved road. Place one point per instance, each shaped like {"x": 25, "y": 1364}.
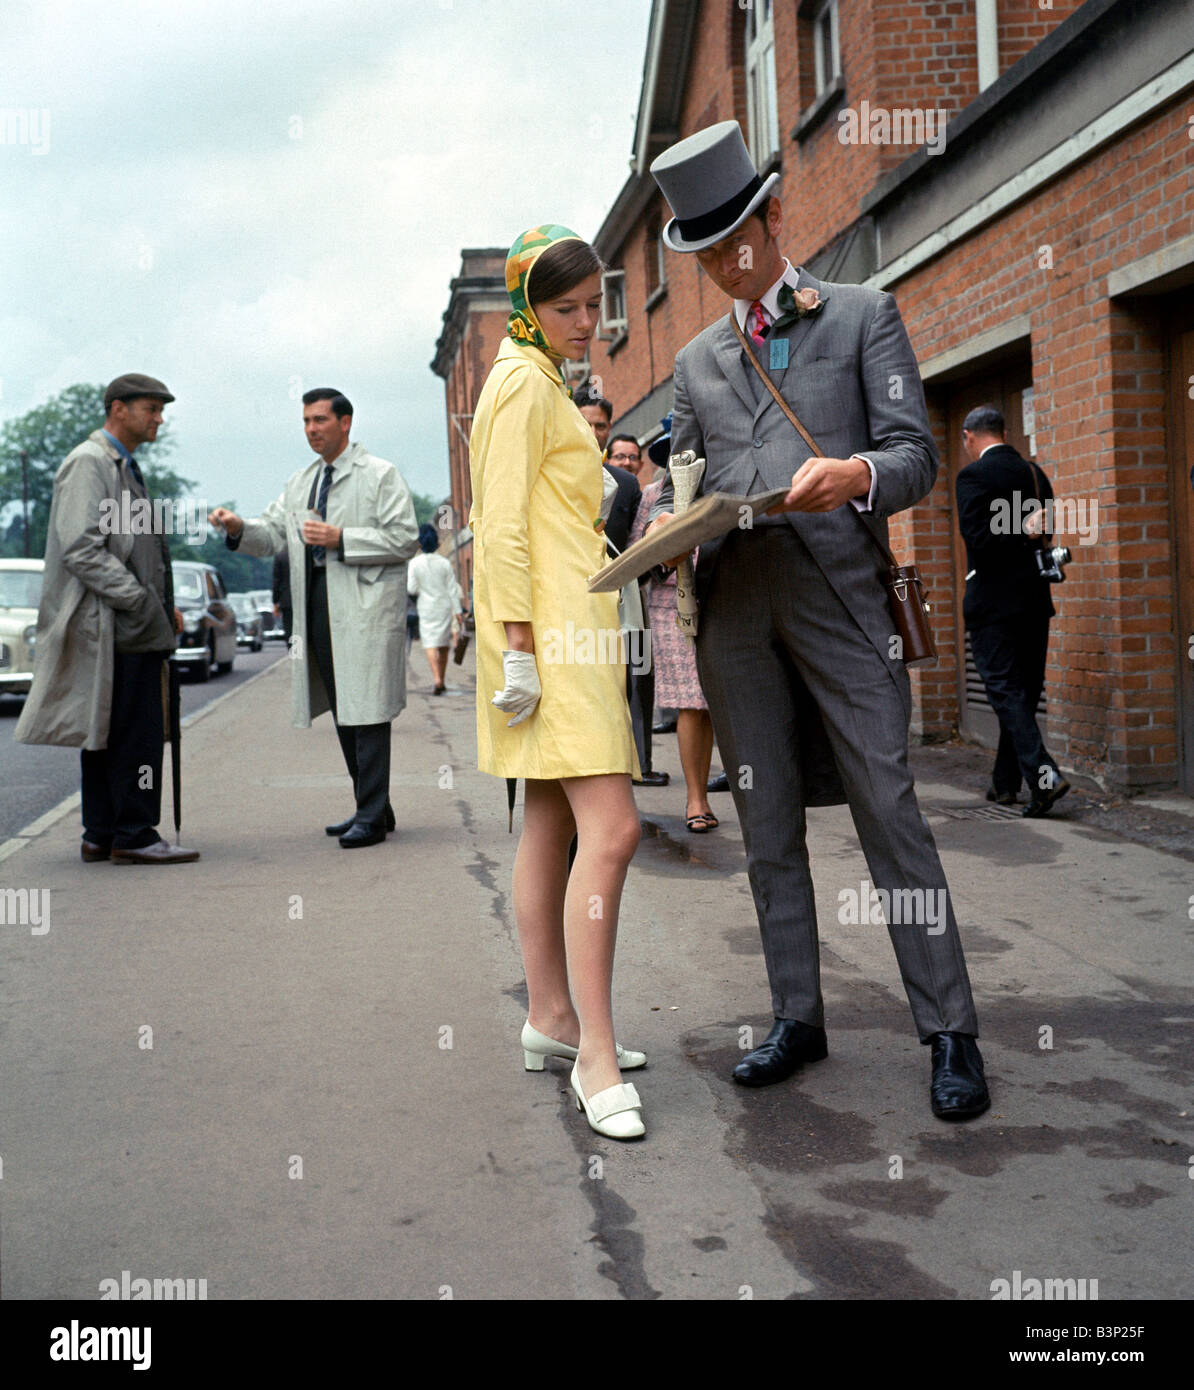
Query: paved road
{"x": 334, "y": 1103}
{"x": 36, "y": 778}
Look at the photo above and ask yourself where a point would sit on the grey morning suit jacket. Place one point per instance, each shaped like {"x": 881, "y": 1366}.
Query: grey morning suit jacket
{"x": 853, "y": 382}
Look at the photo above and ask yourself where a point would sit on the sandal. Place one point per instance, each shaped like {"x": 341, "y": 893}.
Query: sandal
{"x": 702, "y": 824}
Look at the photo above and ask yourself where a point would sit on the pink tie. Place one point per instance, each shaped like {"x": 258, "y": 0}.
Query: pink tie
{"x": 756, "y": 321}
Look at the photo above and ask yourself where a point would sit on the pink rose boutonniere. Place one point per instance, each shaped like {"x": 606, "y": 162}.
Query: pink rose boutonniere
{"x": 796, "y": 304}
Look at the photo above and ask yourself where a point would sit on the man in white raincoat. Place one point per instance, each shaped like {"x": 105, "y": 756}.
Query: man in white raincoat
{"x": 348, "y": 524}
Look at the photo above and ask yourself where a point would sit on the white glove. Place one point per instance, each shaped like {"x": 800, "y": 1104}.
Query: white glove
{"x": 609, "y": 490}
{"x": 522, "y": 690}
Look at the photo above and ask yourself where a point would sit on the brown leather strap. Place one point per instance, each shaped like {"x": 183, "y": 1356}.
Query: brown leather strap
{"x": 800, "y": 430}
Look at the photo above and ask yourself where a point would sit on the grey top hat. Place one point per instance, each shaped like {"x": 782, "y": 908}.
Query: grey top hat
{"x": 711, "y": 185}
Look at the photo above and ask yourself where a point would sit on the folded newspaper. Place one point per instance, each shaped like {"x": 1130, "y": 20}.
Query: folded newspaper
{"x": 711, "y": 516}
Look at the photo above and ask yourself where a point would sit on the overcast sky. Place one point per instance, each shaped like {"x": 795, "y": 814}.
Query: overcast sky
{"x": 248, "y": 198}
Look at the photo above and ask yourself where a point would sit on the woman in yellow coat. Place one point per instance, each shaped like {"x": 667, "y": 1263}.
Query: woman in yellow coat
{"x": 551, "y": 680}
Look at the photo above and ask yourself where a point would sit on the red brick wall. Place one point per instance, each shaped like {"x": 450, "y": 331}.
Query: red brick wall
{"x": 478, "y": 347}
{"x": 925, "y": 55}
{"x": 1098, "y": 373}
{"x": 1024, "y": 23}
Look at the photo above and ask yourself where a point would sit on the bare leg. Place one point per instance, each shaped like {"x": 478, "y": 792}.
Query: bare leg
{"x": 540, "y": 880}
{"x": 694, "y": 733}
{"x": 607, "y": 828}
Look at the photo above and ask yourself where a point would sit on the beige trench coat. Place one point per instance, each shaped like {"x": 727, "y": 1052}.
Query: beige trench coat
{"x": 372, "y": 505}
{"x": 86, "y": 581}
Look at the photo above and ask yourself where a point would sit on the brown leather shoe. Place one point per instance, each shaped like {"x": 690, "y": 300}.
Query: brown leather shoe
{"x": 161, "y": 852}
{"x": 92, "y": 854}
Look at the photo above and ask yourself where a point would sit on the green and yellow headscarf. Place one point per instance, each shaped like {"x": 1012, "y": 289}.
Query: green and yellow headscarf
{"x": 522, "y": 325}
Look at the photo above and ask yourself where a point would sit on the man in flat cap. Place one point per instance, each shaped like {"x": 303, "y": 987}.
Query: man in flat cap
{"x": 106, "y": 626}
{"x": 797, "y": 652}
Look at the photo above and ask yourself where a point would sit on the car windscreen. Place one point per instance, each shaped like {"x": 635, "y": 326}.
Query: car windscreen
{"x": 188, "y": 584}
{"x": 20, "y": 588}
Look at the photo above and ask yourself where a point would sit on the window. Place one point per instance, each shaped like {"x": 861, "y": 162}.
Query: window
{"x": 762, "y": 112}
{"x": 613, "y": 303}
{"x": 655, "y": 254}
{"x": 827, "y": 58}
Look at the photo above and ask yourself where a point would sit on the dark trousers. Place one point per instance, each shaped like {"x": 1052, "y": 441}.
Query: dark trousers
{"x": 640, "y": 694}
{"x": 287, "y": 622}
{"x": 366, "y": 747}
{"x": 1010, "y": 658}
{"x": 122, "y": 783}
{"x": 768, "y": 619}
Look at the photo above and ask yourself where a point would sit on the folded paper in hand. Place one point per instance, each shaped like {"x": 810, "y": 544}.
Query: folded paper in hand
{"x": 711, "y": 516}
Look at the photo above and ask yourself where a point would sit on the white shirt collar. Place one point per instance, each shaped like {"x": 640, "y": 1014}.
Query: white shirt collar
{"x": 992, "y": 446}
{"x": 342, "y": 461}
{"x": 770, "y": 300}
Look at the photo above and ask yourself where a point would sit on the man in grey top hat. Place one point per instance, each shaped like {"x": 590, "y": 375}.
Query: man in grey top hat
{"x": 106, "y": 626}
{"x": 796, "y": 650}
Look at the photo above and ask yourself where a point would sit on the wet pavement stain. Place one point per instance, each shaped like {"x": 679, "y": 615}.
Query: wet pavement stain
{"x": 898, "y": 1196}
{"x": 707, "y": 1243}
{"x": 1099, "y": 1090}
{"x": 843, "y": 1263}
{"x": 613, "y": 1217}
{"x": 1142, "y": 1195}
{"x": 981, "y": 1153}
{"x": 1142, "y": 1029}
{"x": 743, "y": 941}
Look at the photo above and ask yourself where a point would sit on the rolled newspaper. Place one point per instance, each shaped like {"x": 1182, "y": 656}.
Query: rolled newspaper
{"x": 687, "y": 471}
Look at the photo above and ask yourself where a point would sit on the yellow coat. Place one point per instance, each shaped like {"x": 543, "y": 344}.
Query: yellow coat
{"x": 537, "y": 483}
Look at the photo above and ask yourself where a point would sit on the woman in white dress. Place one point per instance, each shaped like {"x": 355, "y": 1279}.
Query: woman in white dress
{"x": 432, "y": 581}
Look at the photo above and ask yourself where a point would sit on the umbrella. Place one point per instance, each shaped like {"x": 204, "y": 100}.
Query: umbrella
{"x": 176, "y": 746}
{"x": 511, "y": 791}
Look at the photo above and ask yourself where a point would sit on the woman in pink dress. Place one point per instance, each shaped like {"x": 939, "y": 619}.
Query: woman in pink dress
{"x": 677, "y": 685}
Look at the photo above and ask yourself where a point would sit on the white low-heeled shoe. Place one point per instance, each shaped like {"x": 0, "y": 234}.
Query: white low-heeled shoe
{"x": 536, "y": 1046}
{"x": 615, "y": 1112}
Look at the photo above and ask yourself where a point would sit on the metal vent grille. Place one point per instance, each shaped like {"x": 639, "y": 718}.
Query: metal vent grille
{"x": 966, "y": 810}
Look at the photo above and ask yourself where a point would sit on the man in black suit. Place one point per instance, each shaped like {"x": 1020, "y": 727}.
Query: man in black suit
{"x": 1008, "y": 605}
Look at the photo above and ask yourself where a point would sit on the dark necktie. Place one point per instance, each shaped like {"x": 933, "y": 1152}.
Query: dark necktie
{"x": 136, "y": 472}
{"x": 318, "y": 552}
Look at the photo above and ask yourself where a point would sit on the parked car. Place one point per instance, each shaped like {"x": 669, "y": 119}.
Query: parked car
{"x": 271, "y": 624}
{"x": 20, "y": 593}
{"x": 208, "y": 636}
{"x": 250, "y": 626}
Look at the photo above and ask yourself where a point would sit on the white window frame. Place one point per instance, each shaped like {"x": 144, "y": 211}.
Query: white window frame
{"x": 826, "y": 20}
{"x": 761, "y": 97}
{"x": 659, "y": 251}
{"x": 613, "y": 298}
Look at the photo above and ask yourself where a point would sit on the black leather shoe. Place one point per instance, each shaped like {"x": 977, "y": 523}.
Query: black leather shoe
{"x": 361, "y": 835}
{"x": 346, "y": 825}
{"x": 1041, "y": 802}
{"x": 789, "y": 1043}
{"x": 92, "y": 854}
{"x": 668, "y": 726}
{"x": 720, "y": 783}
{"x": 958, "y": 1090}
{"x": 1002, "y": 798}
{"x": 652, "y": 779}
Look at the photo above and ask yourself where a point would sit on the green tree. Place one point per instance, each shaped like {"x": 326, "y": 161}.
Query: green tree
{"x": 46, "y": 434}
{"x": 424, "y": 507}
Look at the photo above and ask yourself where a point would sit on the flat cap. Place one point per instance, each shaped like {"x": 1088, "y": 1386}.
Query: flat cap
{"x": 132, "y": 385}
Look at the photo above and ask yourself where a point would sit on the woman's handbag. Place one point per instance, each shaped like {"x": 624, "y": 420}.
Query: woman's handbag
{"x": 906, "y": 592}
